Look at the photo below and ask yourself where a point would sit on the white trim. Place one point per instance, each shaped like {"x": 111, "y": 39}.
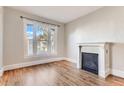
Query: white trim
{"x": 70, "y": 60}
{"x": 118, "y": 73}
{"x": 26, "y": 64}
{"x": 1, "y": 71}
{"x": 115, "y": 72}
{"x": 108, "y": 72}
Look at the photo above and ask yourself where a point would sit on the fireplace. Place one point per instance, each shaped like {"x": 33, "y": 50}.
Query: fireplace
{"x": 90, "y": 62}
{"x": 94, "y": 57}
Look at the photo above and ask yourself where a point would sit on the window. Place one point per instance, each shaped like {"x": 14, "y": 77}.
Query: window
{"x": 39, "y": 38}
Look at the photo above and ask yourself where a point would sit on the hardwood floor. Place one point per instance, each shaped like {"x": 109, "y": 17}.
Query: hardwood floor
{"x": 61, "y": 73}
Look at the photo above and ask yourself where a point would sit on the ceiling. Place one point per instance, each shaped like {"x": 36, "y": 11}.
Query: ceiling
{"x": 63, "y": 14}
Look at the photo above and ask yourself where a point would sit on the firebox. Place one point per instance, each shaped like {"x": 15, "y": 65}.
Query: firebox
{"x": 90, "y": 62}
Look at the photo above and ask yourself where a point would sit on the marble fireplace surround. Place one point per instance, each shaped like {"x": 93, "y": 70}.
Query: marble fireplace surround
{"x": 103, "y": 50}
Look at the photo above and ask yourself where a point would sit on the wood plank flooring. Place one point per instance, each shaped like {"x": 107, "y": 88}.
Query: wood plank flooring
{"x": 61, "y": 73}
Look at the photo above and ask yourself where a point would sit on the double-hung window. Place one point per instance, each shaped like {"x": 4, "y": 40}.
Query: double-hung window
{"x": 39, "y": 38}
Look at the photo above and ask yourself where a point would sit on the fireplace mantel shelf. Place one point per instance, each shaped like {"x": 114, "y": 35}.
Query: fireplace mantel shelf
{"x": 93, "y": 44}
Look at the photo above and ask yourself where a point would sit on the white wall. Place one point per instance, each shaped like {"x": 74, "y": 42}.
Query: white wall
{"x": 14, "y": 38}
{"x": 1, "y": 36}
{"x": 103, "y": 25}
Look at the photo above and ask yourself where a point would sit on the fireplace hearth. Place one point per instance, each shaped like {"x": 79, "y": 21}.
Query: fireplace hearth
{"x": 90, "y": 62}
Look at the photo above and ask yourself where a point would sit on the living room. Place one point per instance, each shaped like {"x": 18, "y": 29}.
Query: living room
{"x": 62, "y": 46}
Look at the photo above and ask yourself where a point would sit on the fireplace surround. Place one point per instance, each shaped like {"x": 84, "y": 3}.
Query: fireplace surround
{"x": 103, "y": 51}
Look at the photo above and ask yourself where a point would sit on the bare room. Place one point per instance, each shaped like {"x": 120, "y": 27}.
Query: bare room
{"x": 61, "y": 45}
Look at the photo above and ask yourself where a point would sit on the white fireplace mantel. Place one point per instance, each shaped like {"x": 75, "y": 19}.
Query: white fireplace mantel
{"x": 103, "y": 50}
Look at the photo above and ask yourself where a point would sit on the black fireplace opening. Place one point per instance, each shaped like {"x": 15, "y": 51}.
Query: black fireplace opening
{"x": 90, "y": 62}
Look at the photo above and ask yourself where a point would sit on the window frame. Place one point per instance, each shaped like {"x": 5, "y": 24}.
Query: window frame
{"x": 48, "y": 53}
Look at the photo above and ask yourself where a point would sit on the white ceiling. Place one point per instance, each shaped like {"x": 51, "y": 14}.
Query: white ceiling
{"x": 62, "y": 14}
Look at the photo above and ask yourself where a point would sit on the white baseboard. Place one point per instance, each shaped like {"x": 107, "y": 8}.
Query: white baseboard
{"x": 115, "y": 72}
{"x": 1, "y": 71}
{"x": 70, "y": 60}
{"x": 118, "y": 73}
{"x": 26, "y": 64}
{"x": 108, "y": 72}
